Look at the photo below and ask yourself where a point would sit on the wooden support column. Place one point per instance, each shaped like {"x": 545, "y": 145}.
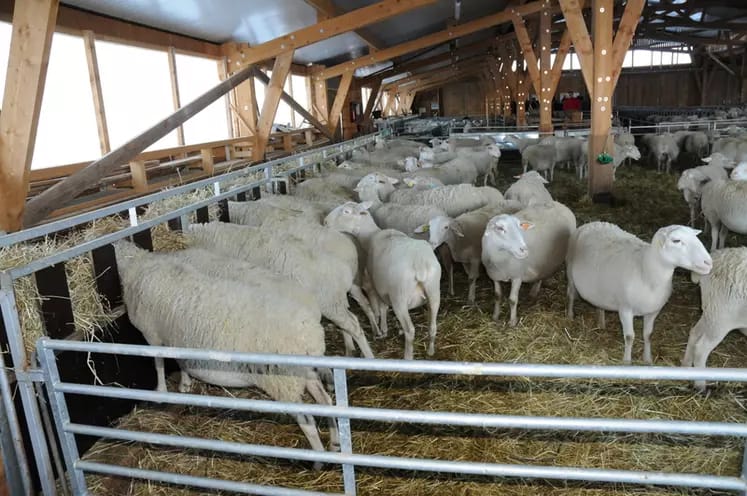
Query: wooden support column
{"x": 246, "y": 107}
{"x": 89, "y": 41}
{"x": 342, "y": 94}
{"x": 318, "y": 95}
{"x": 230, "y": 101}
{"x": 139, "y": 176}
{"x": 371, "y": 101}
{"x": 545, "y": 94}
{"x": 522, "y": 83}
{"x": 273, "y": 91}
{"x": 33, "y": 25}
{"x": 175, "y": 98}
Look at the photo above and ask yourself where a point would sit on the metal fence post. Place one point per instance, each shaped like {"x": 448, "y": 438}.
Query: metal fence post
{"x": 61, "y": 416}
{"x": 346, "y": 436}
{"x": 13, "y": 451}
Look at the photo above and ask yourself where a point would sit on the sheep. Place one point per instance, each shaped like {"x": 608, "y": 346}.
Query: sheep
{"x": 521, "y": 143}
{"x": 723, "y": 295}
{"x": 402, "y": 271}
{"x": 567, "y": 150}
{"x": 547, "y": 229}
{"x": 421, "y": 182}
{"x": 691, "y": 184}
{"x": 317, "y": 189}
{"x": 259, "y": 211}
{"x": 456, "y": 143}
{"x": 309, "y": 207}
{"x": 457, "y": 171}
{"x": 173, "y": 304}
{"x": 733, "y": 149}
{"x": 385, "y": 158}
{"x": 664, "y": 149}
{"x": 718, "y": 158}
{"x": 724, "y": 204}
{"x": 529, "y": 189}
{"x": 739, "y": 173}
{"x": 540, "y": 158}
{"x": 290, "y": 256}
{"x": 435, "y": 156}
{"x": 621, "y": 153}
{"x": 485, "y": 160}
{"x": 617, "y": 271}
{"x": 624, "y": 139}
{"x": 454, "y": 199}
{"x": 696, "y": 142}
{"x": 463, "y": 236}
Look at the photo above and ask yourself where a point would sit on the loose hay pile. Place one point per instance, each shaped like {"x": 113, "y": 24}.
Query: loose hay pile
{"x": 544, "y": 335}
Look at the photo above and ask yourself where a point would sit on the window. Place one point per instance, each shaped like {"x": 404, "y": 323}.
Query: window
{"x": 195, "y": 76}
{"x": 137, "y": 91}
{"x": 301, "y": 95}
{"x": 67, "y": 129}
{"x": 283, "y": 114}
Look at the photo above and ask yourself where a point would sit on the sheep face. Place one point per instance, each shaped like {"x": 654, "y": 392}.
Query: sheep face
{"x": 382, "y": 184}
{"x": 680, "y": 246}
{"x": 631, "y": 151}
{"x": 494, "y": 151}
{"x": 351, "y": 217}
{"x": 504, "y": 232}
{"x": 439, "y": 229}
{"x": 739, "y": 173}
{"x": 690, "y": 182}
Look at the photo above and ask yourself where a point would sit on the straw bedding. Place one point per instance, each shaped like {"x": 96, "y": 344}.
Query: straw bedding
{"x": 466, "y": 332}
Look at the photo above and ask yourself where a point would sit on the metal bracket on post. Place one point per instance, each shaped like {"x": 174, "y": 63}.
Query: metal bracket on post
{"x": 346, "y": 436}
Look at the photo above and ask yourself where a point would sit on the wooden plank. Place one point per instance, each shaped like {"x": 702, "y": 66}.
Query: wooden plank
{"x": 67, "y": 189}
{"x": 56, "y": 306}
{"x": 560, "y": 55}
{"x": 323, "y": 30}
{"x": 139, "y": 175}
{"x": 452, "y": 33}
{"x": 600, "y": 175}
{"x": 33, "y": 24}
{"x": 576, "y": 26}
{"x": 89, "y": 41}
{"x": 342, "y": 93}
{"x": 207, "y": 162}
{"x": 273, "y": 91}
{"x": 176, "y": 100}
{"x": 327, "y": 10}
{"x": 525, "y": 43}
{"x": 262, "y": 77}
{"x": 624, "y": 36}
{"x": 545, "y": 95}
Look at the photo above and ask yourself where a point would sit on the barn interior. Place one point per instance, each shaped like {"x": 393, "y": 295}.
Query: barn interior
{"x": 138, "y": 119}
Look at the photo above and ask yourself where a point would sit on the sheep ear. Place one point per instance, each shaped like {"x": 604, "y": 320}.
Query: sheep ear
{"x": 424, "y": 228}
{"x": 456, "y": 230}
{"x": 365, "y": 205}
{"x": 525, "y": 226}
{"x": 696, "y": 231}
{"x": 544, "y": 181}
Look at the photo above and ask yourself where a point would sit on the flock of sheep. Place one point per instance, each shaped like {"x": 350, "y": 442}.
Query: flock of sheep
{"x": 381, "y": 226}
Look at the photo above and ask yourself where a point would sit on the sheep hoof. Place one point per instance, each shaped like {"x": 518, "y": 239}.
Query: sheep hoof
{"x": 334, "y": 447}
{"x": 431, "y": 350}
{"x": 318, "y": 466}
{"x": 513, "y": 322}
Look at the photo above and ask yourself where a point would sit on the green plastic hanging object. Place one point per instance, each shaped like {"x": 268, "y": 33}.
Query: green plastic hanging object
{"x": 604, "y": 158}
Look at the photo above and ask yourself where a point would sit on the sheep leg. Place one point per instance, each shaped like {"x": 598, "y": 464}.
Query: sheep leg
{"x": 383, "y": 314}
{"x": 692, "y": 214}
{"x": 433, "y": 292}
{"x": 316, "y": 390}
{"x": 715, "y": 226}
{"x": 309, "y": 429}
{"x": 357, "y": 293}
{"x": 473, "y": 272}
{"x": 444, "y": 254}
{"x": 352, "y": 329}
{"x": 552, "y": 172}
{"x": 185, "y": 382}
{"x": 160, "y": 375}
{"x": 648, "y": 329}
{"x": 709, "y": 339}
{"x": 722, "y": 235}
{"x": 349, "y": 344}
{"x": 695, "y": 333}
{"x": 626, "y": 319}
{"x": 513, "y": 300}
{"x": 498, "y": 298}
{"x": 403, "y": 316}
{"x": 536, "y": 287}
{"x": 571, "y": 294}
{"x": 601, "y": 320}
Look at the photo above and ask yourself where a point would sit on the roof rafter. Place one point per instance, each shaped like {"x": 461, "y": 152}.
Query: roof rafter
{"x": 326, "y": 9}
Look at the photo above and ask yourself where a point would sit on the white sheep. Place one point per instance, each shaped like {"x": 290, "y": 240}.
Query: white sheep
{"x": 456, "y": 143}
{"x": 403, "y": 272}
{"x": 529, "y": 189}
{"x": 254, "y": 213}
{"x": 723, "y": 295}
{"x": 696, "y": 142}
{"x": 173, "y": 304}
{"x": 691, "y": 184}
{"x": 453, "y": 199}
{"x": 547, "y": 229}
{"x": 664, "y": 149}
{"x": 739, "y": 173}
{"x": 718, "y": 158}
{"x": 568, "y": 150}
{"x": 521, "y": 143}
{"x": 385, "y": 158}
{"x": 463, "y": 236}
{"x": 734, "y": 149}
{"x": 620, "y": 154}
{"x": 309, "y": 207}
{"x": 421, "y": 182}
{"x": 457, "y": 171}
{"x": 436, "y": 156}
{"x": 624, "y": 139}
{"x": 485, "y": 160}
{"x": 317, "y": 189}
{"x": 724, "y": 205}
{"x": 616, "y": 271}
{"x": 291, "y": 256}
{"x": 539, "y": 157}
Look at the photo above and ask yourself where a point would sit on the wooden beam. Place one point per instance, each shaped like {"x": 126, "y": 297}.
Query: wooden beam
{"x": 326, "y": 29}
{"x": 328, "y": 10}
{"x": 624, "y": 36}
{"x": 576, "y": 26}
{"x": 262, "y": 78}
{"x": 342, "y": 93}
{"x": 318, "y": 93}
{"x": 544, "y": 96}
{"x": 600, "y": 175}
{"x": 230, "y": 99}
{"x": 280, "y": 71}
{"x": 560, "y": 55}
{"x": 525, "y": 43}
{"x": 33, "y": 25}
{"x": 371, "y": 101}
{"x": 458, "y": 31}
{"x": 63, "y": 192}
{"x": 89, "y": 42}
{"x": 176, "y": 100}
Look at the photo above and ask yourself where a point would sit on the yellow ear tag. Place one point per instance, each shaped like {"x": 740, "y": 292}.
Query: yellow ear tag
{"x": 426, "y": 227}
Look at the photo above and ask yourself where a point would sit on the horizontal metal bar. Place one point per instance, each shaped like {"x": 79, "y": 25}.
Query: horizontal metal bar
{"x": 475, "y": 468}
{"x": 419, "y": 417}
{"x": 191, "y": 480}
{"x": 68, "y": 222}
{"x": 414, "y": 366}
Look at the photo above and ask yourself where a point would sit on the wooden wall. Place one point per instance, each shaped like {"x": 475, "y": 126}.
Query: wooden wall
{"x": 462, "y": 98}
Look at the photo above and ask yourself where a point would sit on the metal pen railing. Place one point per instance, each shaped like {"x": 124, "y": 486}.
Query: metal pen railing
{"x": 56, "y": 389}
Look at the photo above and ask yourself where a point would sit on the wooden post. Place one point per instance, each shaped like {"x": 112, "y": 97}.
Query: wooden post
{"x": 246, "y": 107}
{"x": 33, "y": 25}
{"x": 175, "y": 92}
{"x": 600, "y": 176}
{"x": 207, "y": 162}
{"x": 280, "y": 71}
{"x": 230, "y": 101}
{"x": 342, "y": 94}
{"x": 371, "y": 101}
{"x": 139, "y": 176}
{"x": 545, "y": 94}
{"x": 318, "y": 96}
{"x": 521, "y": 111}
{"x": 89, "y": 41}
